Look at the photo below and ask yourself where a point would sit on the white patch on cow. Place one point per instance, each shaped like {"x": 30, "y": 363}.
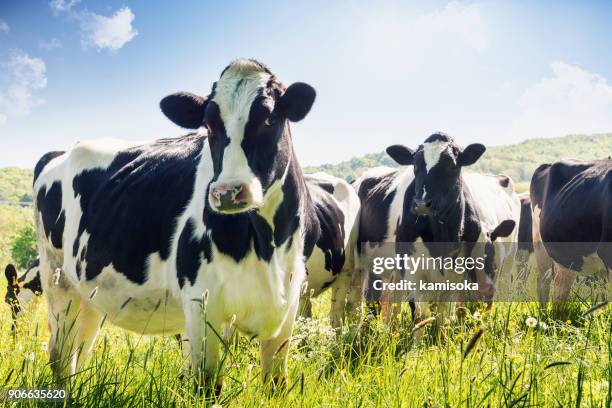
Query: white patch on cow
{"x": 400, "y": 184}
{"x": 25, "y": 296}
{"x": 432, "y": 152}
{"x": 234, "y": 94}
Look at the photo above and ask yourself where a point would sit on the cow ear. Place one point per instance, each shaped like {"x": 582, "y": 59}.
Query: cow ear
{"x": 296, "y": 102}
{"x": 11, "y": 274}
{"x": 471, "y": 154}
{"x": 184, "y": 109}
{"x": 401, "y": 154}
{"x": 504, "y": 229}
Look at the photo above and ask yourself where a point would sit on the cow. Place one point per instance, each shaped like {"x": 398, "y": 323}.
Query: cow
{"x": 430, "y": 199}
{"x": 572, "y": 223}
{"x": 183, "y": 234}
{"x": 525, "y": 237}
{"x": 331, "y": 263}
{"x": 460, "y": 207}
{"x": 21, "y": 290}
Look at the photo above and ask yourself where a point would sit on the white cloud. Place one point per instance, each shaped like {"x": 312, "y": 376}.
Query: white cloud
{"x": 22, "y": 77}
{"x": 110, "y": 33}
{"x": 51, "y": 44}
{"x": 4, "y": 27}
{"x": 572, "y": 100}
{"x": 59, "y": 6}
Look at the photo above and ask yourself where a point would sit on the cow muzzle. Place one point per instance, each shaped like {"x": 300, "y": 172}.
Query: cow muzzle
{"x": 230, "y": 197}
{"x": 421, "y": 206}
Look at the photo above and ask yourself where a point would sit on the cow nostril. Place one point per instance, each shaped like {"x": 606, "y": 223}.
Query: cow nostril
{"x": 428, "y": 203}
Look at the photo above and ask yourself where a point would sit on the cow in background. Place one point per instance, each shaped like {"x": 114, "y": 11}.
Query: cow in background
{"x": 332, "y": 262}
{"x": 460, "y": 207}
{"x": 434, "y": 201}
{"x": 572, "y": 223}
{"x": 21, "y": 290}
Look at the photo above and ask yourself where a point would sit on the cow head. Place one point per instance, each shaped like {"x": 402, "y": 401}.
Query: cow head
{"x": 493, "y": 253}
{"x": 20, "y": 291}
{"x": 247, "y": 117}
{"x": 437, "y": 170}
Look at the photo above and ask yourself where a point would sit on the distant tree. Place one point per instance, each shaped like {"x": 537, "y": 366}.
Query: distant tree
{"x": 25, "y": 200}
{"x": 23, "y": 249}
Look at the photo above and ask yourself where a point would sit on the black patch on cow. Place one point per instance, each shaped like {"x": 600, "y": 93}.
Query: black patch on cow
{"x": 439, "y": 137}
{"x": 130, "y": 209}
{"x": 504, "y": 181}
{"x": 190, "y": 251}
{"x": 49, "y": 204}
{"x": 376, "y": 202}
{"x": 332, "y": 234}
{"x": 34, "y": 285}
{"x": 40, "y": 165}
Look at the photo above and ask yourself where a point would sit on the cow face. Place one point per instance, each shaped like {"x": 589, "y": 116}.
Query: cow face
{"x": 20, "y": 291}
{"x": 437, "y": 171}
{"x": 246, "y": 117}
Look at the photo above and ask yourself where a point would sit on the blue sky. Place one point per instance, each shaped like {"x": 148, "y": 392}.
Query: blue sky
{"x": 385, "y": 72}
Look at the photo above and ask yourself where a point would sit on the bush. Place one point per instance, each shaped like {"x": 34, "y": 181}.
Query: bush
{"x": 23, "y": 249}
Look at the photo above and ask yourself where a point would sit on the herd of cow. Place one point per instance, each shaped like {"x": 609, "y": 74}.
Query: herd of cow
{"x": 220, "y": 227}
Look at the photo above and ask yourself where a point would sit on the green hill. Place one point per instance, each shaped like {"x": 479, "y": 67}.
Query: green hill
{"x": 517, "y": 161}
{"x": 15, "y": 185}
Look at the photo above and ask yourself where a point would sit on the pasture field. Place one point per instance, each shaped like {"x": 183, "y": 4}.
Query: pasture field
{"x": 553, "y": 364}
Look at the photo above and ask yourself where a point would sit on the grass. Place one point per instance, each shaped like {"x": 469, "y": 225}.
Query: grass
{"x": 488, "y": 359}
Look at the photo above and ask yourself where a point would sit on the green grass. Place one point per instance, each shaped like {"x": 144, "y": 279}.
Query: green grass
{"x": 565, "y": 364}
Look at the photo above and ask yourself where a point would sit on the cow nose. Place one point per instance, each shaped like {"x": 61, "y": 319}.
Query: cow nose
{"x": 229, "y": 197}
{"x": 421, "y": 206}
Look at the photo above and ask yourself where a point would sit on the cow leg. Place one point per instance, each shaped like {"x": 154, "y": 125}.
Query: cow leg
{"x": 544, "y": 281}
{"x": 543, "y": 261}
{"x": 305, "y": 305}
{"x": 355, "y": 296}
{"x": 340, "y": 289}
{"x": 87, "y": 326}
{"x": 274, "y": 354}
{"x": 63, "y": 308}
{"x": 564, "y": 278}
{"x": 203, "y": 345}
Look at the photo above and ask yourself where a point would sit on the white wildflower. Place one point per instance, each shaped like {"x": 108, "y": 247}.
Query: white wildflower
{"x": 44, "y": 346}
{"x": 543, "y": 325}
{"x": 531, "y": 322}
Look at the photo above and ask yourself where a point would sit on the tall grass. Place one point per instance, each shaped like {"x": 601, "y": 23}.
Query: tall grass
{"x": 485, "y": 359}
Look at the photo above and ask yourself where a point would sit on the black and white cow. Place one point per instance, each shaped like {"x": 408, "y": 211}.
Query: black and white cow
{"x": 435, "y": 201}
{"x": 166, "y": 236}
{"x": 525, "y": 236}
{"x": 332, "y": 264}
{"x": 384, "y": 192}
{"x": 21, "y": 290}
{"x": 572, "y": 222}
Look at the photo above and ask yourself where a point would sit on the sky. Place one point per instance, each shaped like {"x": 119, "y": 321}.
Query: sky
{"x": 495, "y": 72}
